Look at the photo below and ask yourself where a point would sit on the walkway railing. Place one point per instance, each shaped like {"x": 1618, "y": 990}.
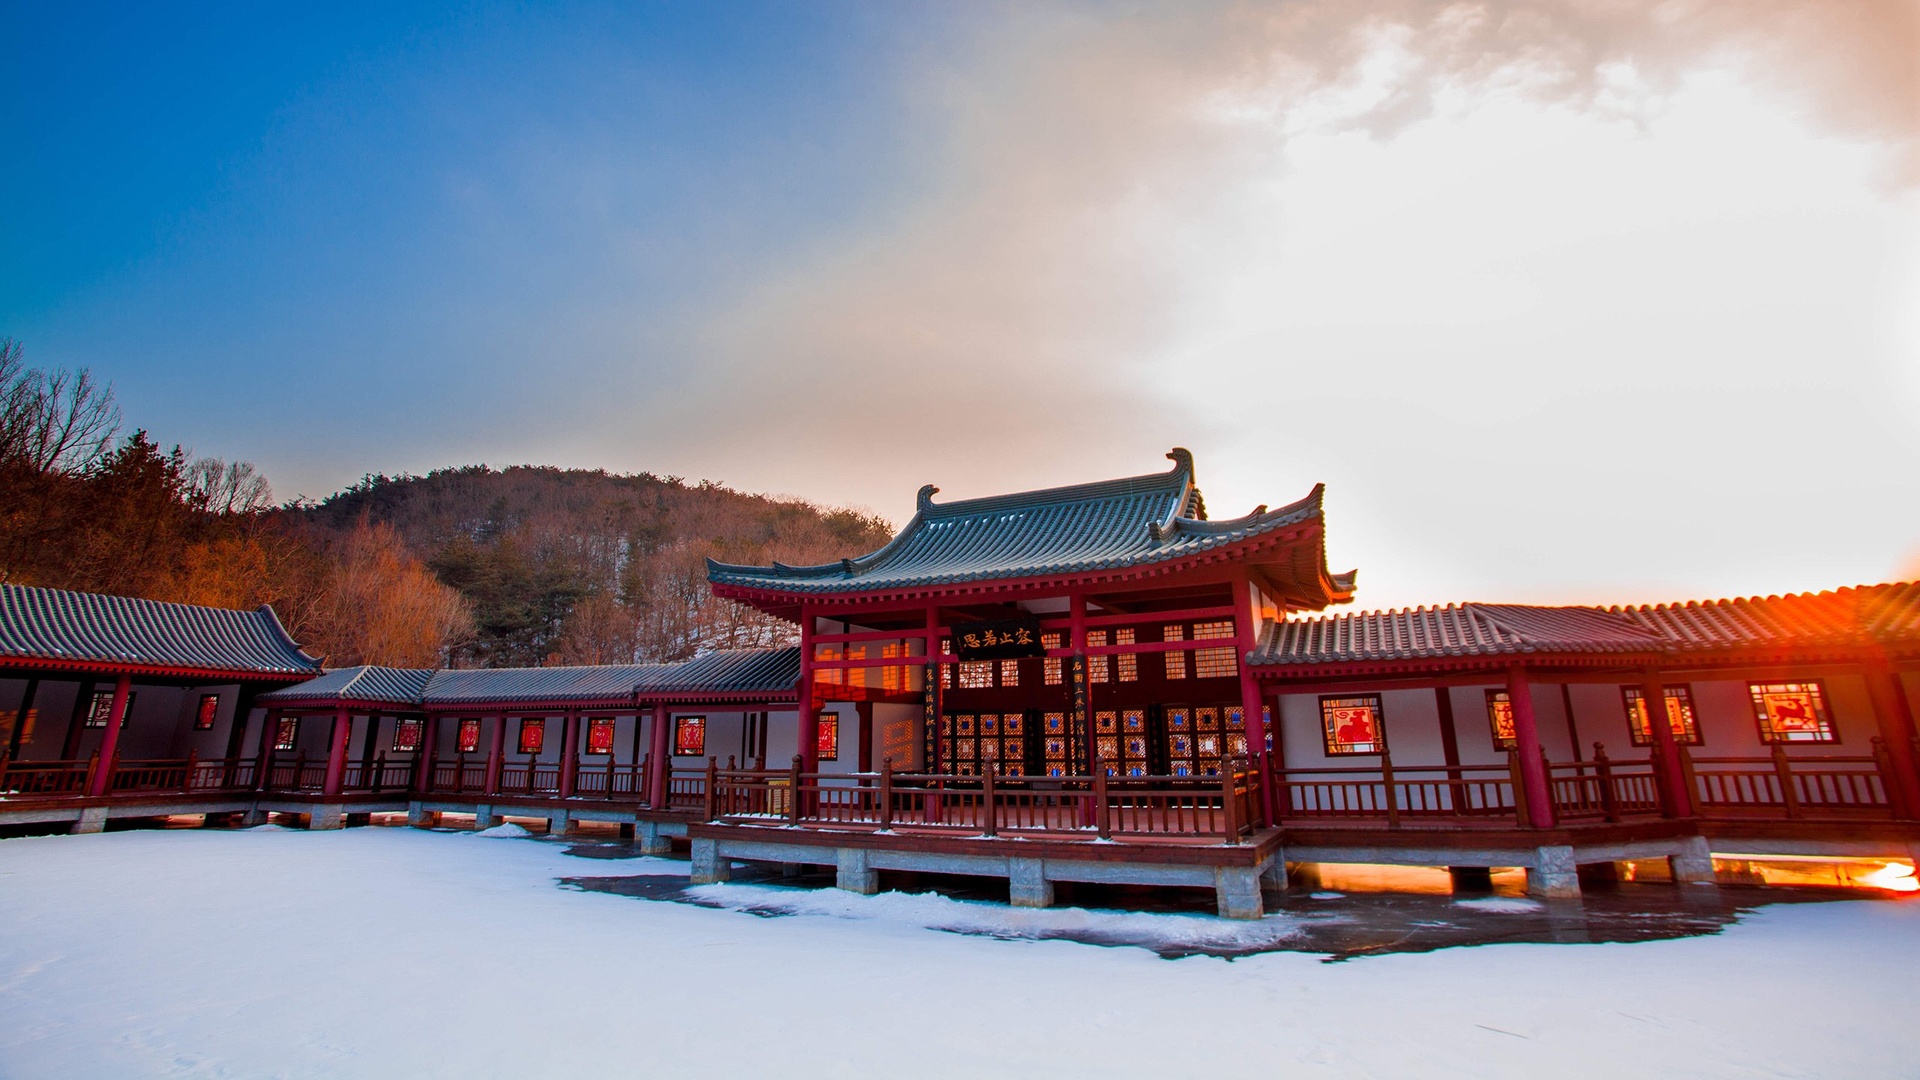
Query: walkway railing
{"x": 1226, "y": 807}
{"x": 1793, "y": 786}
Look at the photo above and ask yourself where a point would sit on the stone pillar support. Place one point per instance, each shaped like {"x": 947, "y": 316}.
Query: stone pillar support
{"x": 709, "y": 866}
{"x": 1553, "y": 874}
{"x": 853, "y": 873}
{"x": 1027, "y": 884}
{"x": 1693, "y": 863}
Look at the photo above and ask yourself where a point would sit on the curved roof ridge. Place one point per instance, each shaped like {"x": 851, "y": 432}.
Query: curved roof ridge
{"x": 1181, "y": 475}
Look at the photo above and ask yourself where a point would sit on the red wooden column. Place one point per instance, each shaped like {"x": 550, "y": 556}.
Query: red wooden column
{"x": 1892, "y": 713}
{"x": 660, "y": 769}
{"x": 864, "y": 711}
{"x": 337, "y": 752}
{"x": 496, "y": 754}
{"x": 429, "y": 743}
{"x": 1246, "y": 627}
{"x": 269, "y": 734}
{"x": 110, "y": 742}
{"x": 570, "y": 752}
{"x": 1676, "y": 800}
{"x": 809, "y": 726}
{"x": 1526, "y": 737}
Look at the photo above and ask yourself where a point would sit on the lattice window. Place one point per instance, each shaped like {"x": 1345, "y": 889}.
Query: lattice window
{"x": 207, "y": 712}
{"x": 1500, "y": 716}
{"x": 469, "y": 736}
{"x": 689, "y": 736}
{"x": 1679, "y": 715}
{"x": 1009, "y": 673}
{"x": 1353, "y": 725}
{"x": 976, "y": 674}
{"x": 406, "y": 734}
{"x": 289, "y": 733}
{"x": 1128, "y": 663}
{"x": 892, "y": 678}
{"x": 1051, "y": 667}
{"x": 1176, "y": 658}
{"x": 1792, "y": 712}
{"x": 857, "y": 676}
{"x": 1098, "y": 667}
{"x": 1214, "y": 663}
{"x": 533, "y": 734}
{"x": 600, "y": 735}
{"x": 102, "y": 707}
{"x": 827, "y": 675}
{"x": 946, "y": 670}
{"x": 827, "y": 736}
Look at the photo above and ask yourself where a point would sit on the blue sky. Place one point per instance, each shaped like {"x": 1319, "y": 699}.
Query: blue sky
{"x": 1564, "y": 303}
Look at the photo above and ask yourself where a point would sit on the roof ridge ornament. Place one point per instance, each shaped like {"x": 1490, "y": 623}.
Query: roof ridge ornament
{"x": 923, "y": 502}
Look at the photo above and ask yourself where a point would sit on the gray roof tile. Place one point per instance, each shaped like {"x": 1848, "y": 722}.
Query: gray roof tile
{"x": 772, "y": 672}
{"x": 78, "y": 627}
{"x": 1112, "y": 524}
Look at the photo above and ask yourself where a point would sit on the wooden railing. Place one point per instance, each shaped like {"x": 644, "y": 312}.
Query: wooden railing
{"x": 380, "y": 776}
{"x": 20, "y": 779}
{"x": 1226, "y": 807}
{"x": 530, "y": 778}
{"x": 612, "y": 782}
{"x": 460, "y": 774}
{"x": 1604, "y": 789}
{"x": 1793, "y": 786}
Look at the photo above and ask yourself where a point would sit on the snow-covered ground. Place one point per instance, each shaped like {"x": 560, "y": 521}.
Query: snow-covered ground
{"x": 394, "y": 952}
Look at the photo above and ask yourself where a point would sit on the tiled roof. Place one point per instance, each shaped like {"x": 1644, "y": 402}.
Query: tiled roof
{"x": 60, "y": 625}
{"x": 1868, "y": 615}
{"x": 1112, "y": 524}
{"x": 772, "y": 672}
{"x": 383, "y": 685}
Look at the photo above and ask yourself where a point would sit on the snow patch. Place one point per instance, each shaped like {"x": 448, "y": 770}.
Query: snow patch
{"x": 505, "y": 830}
{"x": 933, "y": 911}
{"x": 1506, "y": 905}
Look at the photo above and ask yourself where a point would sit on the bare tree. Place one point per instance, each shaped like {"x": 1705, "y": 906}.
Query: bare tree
{"x": 52, "y": 421}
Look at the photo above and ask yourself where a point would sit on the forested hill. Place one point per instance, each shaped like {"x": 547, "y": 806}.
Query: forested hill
{"x": 586, "y": 566}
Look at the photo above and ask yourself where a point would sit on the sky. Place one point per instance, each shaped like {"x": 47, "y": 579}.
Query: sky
{"x": 1592, "y": 301}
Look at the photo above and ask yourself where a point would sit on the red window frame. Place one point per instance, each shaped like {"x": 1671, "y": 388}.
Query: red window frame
{"x": 827, "y": 736}
{"x": 599, "y": 734}
{"x": 1500, "y": 719}
{"x": 207, "y": 712}
{"x": 288, "y": 734}
{"x": 469, "y": 739}
{"x": 1766, "y": 702}
{"x": 689, "y": 736}
{"x": 533, "y": 734}
{"x": 407, "y": 732}
{"x": 1680, "y": 716}
{"x": 1338, "y": 713}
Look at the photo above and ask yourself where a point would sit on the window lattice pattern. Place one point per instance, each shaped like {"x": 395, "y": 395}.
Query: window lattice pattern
{"x": 1792, "y": 712}
{"x": 892, "y": 678}
{"x": 976, "y": 674}
{"x": 1051, "y": 667}
{"x": 1352, "y": 725}
{"x": 1009, "y": 673}
{"x": 1214, "y": 663}
{"x": 1128, "y": 663}
{"x": 1176, "y": 659}
{"x": 1098, "y": 667}
{"x": 1679, "y": 715}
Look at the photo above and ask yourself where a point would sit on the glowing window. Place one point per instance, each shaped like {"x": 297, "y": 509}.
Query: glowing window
{"x": 1098, "y": 668}
{"x": 1128, "y": 663}
{"x": 207, "y": 712}
{"x": 533, "y": 734}
{"x": 856, "y": 676}
{"x": 469, "y": 735}
{"x": 1352, "y": 725}
{"x": 288, "y": 734}
{"x": 1792, "y": 712}
{"x": 892, "y": 677}
{"x": 946, "y": 670}
{"x": 406, "y": 734}
{"x": 1009, "y": 673}
{"x": 1679, "y": 715}
{"x": 827, "y": 675}
{"x": 689, "y": 736}
{"x": 1176, "y": 659}
{"x": 1050, "y": 667}
{"x": 976, "y": 674}
{"x": 1214, "y": 663}
{"x": 827, "y": 740}
{"x": 600, "y": 735}
{"x": 1500, "y": 715}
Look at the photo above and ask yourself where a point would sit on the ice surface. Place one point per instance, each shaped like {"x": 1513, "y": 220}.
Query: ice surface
{"x": 1512, "y": 904}
{"x": 378, "y": 952}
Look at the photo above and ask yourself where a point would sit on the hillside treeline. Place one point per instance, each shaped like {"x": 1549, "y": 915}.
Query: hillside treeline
{"x": 468, "y": 566}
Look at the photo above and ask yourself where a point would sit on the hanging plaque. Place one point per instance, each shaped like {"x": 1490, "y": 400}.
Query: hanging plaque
{"x": 1005, "y": 639}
